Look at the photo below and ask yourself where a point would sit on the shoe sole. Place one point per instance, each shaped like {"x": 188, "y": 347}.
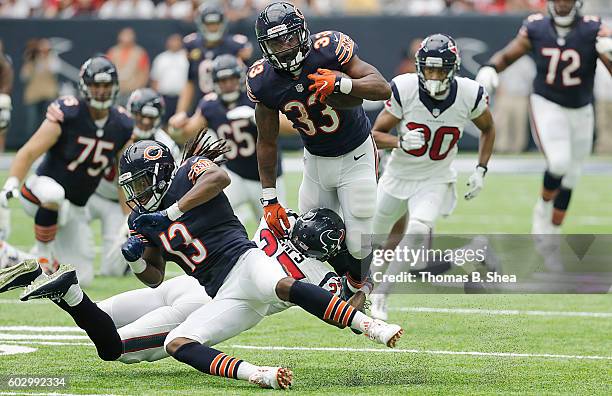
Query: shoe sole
{"x": 393, "y": 340}
{"x": 26, "y": 269}
{"x": 59, "y": 276}
{"x": 284, "y": 378}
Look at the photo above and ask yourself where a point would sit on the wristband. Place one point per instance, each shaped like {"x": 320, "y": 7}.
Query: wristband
{"x": 173, "y": 212}
{"x": 268, "y": 193}
{"x": 346, "y": 85}
{"x": 138, "y": 266}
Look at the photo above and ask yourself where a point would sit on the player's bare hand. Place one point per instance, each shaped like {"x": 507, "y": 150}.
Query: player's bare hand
{"x": 475, "y": 182}
{"x": 177, "y": 122}
{"x": 324, "y": 83}
{"x": 276, "y": 218}
{"x": 414, "y": 139}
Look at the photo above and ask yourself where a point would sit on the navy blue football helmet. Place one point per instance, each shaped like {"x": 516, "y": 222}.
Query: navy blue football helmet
{"x": 146, "y": 102}
{"x": 209, "y": 14}
{"x": 283, "y": 36}
{"x": 228, "y": 66}
{"x": 318, "y": 233}
{"x": 437, "y": 51}
{"x": 568, "y": 18}
{"x": 145, "y": 172}
{"x": 99, "y": 70}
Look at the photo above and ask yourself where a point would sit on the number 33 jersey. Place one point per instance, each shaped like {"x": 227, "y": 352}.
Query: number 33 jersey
{"x": 442, "y": 122}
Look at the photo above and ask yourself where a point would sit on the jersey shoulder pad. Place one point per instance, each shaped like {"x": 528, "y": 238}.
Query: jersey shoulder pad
{"x": 473, "y": 94}
{"x": 531, "y": 23}
{"x": 593, "y": 24}
{"x": 335, "y": 45}
{"x": 190, "y": 39}
{"x": 64, "y": 108}
{"x": 197, "y": 165}
{"x": 123, "y": 116}
{"x": 256, "y": 79}
{"x": 404, "y": 86}
{"x": 208, "y": 101}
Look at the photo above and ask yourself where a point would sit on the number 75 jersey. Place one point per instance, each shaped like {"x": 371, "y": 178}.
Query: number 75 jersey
{"x": 442, "y": 122}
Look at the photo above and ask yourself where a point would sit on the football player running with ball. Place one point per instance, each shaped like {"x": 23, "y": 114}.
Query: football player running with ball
{"x": 565, "y": 46}
{"x": 430, "y": 109}
{"x": 301, "y": 76}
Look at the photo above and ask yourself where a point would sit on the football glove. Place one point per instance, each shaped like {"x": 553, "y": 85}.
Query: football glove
{"x": 412, "y": 140}
{"x": 487, "y": 77}
{"x": 324, "y": 84}
{"x": 475, "y": 182}
{"x": 276, "y": 217}
{"x": 156, "y": 222}
{"x": 603, "y": 45}
{"x": 133, "y": 248}
{"x": 9, "y": 190}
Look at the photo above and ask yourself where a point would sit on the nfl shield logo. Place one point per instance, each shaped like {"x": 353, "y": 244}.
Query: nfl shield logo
{"x": 435, "y": 112}
{"x": 100, "y": 133}
{"x": 299, "y": 88}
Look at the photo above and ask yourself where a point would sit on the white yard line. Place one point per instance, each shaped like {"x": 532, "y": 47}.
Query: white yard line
{"x": 7, "y": 301}
{"x": 417, "y": 351}
{"x": 50, "y": 329}
{"x": 55, "y": 394}
{"x": 469, "y": 311}
{"x": 54, "y": 343}
{"x": 59, "y": 337}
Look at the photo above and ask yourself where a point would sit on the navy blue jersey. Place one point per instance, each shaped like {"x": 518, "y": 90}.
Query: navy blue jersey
{"x": 200, "y": 57}
{"x": 206, "y": 241}
{"x": 83, "y": 152}
{"x": 241, "y": 135}
{"x": 565, "y": 66}
{"x": 326, "y": 132}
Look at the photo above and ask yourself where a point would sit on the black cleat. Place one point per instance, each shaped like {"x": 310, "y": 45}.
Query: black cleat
{"x": 53, "y": 286}
{"x": 19, "y": 275}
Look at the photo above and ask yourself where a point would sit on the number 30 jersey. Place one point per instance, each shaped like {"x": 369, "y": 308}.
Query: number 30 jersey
{"x": 442, "y": 122}
{"x": 240, "y": 134}
{"x": 82, "y": 153}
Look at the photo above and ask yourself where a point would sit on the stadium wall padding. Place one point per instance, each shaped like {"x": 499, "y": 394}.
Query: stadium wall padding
{"x": 382, "y": 41}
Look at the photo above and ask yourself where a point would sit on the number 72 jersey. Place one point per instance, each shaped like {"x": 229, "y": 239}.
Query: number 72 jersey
{"x": 442, "y": 123}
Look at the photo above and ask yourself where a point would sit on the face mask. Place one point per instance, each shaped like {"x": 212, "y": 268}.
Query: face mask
{"x": 435, "y": 87}
{"x": 141, "y": 135}
{"x": 230, "y": 97}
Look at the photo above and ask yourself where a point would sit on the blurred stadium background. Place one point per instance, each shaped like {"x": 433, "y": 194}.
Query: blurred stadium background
{"x": 563, "y": 351}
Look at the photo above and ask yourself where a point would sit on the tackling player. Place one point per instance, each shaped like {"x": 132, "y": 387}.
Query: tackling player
{"x": 231, "y": 115}
{"x": 296, "y": 77}
{"x": 80, "y": 139}
{"x": 202, "y": 47}
{"x": 565, "y": 46}
{"x": 431, "y": 109}
{"x": 144, "y": 317}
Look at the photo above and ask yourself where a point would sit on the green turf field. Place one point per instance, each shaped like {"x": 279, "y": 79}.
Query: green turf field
{"x": 454, "y": 344}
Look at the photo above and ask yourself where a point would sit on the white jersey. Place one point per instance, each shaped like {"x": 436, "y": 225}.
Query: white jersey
{"x": 294, "y": 263}
{"x": 442, "y": 121}
{"x": 108, "y": 184}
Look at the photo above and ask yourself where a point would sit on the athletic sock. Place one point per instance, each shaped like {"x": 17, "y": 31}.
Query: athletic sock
{"x": 99, "y": 327}
{"x": 74, "y": 295}
{"x": 550, "y": 186}
{"x": 210, "y": 361}
{"x": 321, "y": 303}
{"x": 45, "y": 225}
{"x": 560, "y": 205}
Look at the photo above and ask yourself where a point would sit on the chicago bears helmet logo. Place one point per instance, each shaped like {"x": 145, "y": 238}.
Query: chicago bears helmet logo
{"x": 152, "y": 153}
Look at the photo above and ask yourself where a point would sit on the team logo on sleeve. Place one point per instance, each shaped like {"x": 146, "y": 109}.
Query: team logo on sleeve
{"x": 152, "y": 153}
{"x": 198, "y": 167}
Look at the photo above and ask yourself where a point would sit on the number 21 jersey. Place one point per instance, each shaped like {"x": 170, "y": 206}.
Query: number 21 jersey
{"x": 442, "y": 122}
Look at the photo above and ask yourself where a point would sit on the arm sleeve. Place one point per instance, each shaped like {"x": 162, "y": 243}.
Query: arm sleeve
{"x": 197, "y": 167}
{"x": 345, "y": 49}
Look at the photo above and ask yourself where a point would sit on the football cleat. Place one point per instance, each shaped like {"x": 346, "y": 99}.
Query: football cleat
{"x": 542, "y": 217}
{"x": 19, "y": 275}
{"x": 272, "y": 377}
{"x": 378, "y": 309}
{"x": 53, "y": 286}
{"x": 384, "y": 333}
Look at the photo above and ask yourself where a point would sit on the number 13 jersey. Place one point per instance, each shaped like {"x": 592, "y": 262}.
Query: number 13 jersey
{"x": 442, "y": 122}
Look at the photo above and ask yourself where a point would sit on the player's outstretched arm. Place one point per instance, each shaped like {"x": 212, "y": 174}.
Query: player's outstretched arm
{"x": 185, "y": 97}
{"x": 195, "y": 124}
{"x": 366, "y": 80}
{"x": 384, "y": 123}
{"x": 487, "y": 75}
{"x": 267, "y": 144}
{"x": 603, "y": 45}
{"x": 484, "y": 122}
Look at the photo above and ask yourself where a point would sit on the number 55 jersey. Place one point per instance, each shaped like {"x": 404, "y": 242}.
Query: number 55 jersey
{"x": 442, "y": 123}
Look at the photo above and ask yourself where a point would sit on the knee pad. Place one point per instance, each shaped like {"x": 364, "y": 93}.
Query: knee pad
{"x": 570, "y": 179}
{"x": 558, "y": 166}
{"x": 47, "y": 190}
{"x": 418, "y": 227}
{"x": 362, "y": 199}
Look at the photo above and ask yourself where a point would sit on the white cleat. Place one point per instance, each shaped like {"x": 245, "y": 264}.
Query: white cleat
{"x": 272, "y": 377}
{"x": 384, "y": 333}
{"x": 542, "y": 217}
{"x": 378, "y": 307}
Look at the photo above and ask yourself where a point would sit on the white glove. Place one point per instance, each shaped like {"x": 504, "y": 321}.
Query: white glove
{"x": 9, "y": 191}
{"x": 475, "y": 182}
{"x": 488, "y": 78}
{"x": 242, "y": 113}
{"x": 603, "y": 45}
{"x": 412, "y": 140}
